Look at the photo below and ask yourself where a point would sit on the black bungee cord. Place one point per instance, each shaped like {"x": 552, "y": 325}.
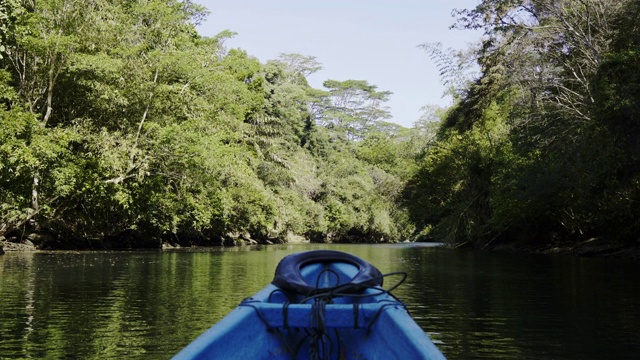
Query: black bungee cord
{"x": 321, "y": 343}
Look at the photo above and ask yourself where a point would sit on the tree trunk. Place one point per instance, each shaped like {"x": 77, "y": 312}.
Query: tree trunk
{"x": 35, "y": 207}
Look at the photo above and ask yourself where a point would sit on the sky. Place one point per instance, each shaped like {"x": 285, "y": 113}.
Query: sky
{"x": 372, "y": 40}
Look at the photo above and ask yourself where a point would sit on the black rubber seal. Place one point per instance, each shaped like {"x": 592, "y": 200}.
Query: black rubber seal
{"x": 289, "y": 278}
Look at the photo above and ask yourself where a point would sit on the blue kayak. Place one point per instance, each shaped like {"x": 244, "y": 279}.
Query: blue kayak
{"x": 322, "y": 304}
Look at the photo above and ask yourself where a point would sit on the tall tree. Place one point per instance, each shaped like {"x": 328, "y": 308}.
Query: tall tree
{"x": 351, "y": 107}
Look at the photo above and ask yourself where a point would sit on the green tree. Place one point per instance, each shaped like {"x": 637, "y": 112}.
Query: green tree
{"x": 525, "y": 154}
{"x": 351, "y": 108}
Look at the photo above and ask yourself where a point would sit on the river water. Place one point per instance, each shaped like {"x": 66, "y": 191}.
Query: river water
{"x": 474, "y": 305}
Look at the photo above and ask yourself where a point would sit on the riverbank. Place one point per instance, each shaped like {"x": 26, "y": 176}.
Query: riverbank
{"x": 131, "y": 239}
{"x": 134, "y": 239}
{"x": 590, "y": 248}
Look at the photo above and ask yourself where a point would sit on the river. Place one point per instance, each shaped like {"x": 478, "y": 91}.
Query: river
{"x": 473, "y": 304}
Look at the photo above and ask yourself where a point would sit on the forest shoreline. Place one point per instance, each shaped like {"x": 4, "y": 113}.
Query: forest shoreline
{"x": 592, "y": 248}
{"x": 202, "y": 144}
{"x": 132, "y": 239}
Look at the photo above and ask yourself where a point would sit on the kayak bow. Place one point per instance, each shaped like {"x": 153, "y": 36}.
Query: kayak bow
{"x": 322, "y": 304}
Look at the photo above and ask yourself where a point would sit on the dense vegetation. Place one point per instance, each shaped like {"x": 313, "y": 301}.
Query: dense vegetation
{"x": 543, "y": 148}
{"x": 118, "y": 121}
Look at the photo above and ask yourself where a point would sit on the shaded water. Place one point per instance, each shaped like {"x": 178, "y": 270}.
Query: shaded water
{"x": 474, "y": 305}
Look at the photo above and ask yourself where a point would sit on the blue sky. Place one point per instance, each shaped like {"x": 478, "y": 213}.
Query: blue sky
{"x": 374, "y": 40}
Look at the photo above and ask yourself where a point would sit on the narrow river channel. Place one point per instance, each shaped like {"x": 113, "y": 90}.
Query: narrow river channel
{"x": 474, "y": 305}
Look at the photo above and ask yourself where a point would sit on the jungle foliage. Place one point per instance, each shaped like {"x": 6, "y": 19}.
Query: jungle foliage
{"x": 117, "y": 117}
{"x": 118, "y": 121}
{"x": 543, "y": 147}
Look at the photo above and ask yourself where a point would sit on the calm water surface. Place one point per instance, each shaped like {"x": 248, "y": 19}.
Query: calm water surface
{"x": 474, "y": 305}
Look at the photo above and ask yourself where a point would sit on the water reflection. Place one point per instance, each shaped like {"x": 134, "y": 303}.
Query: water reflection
{"x": 488, "y": 305}
{"x": 475, "y": 305}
